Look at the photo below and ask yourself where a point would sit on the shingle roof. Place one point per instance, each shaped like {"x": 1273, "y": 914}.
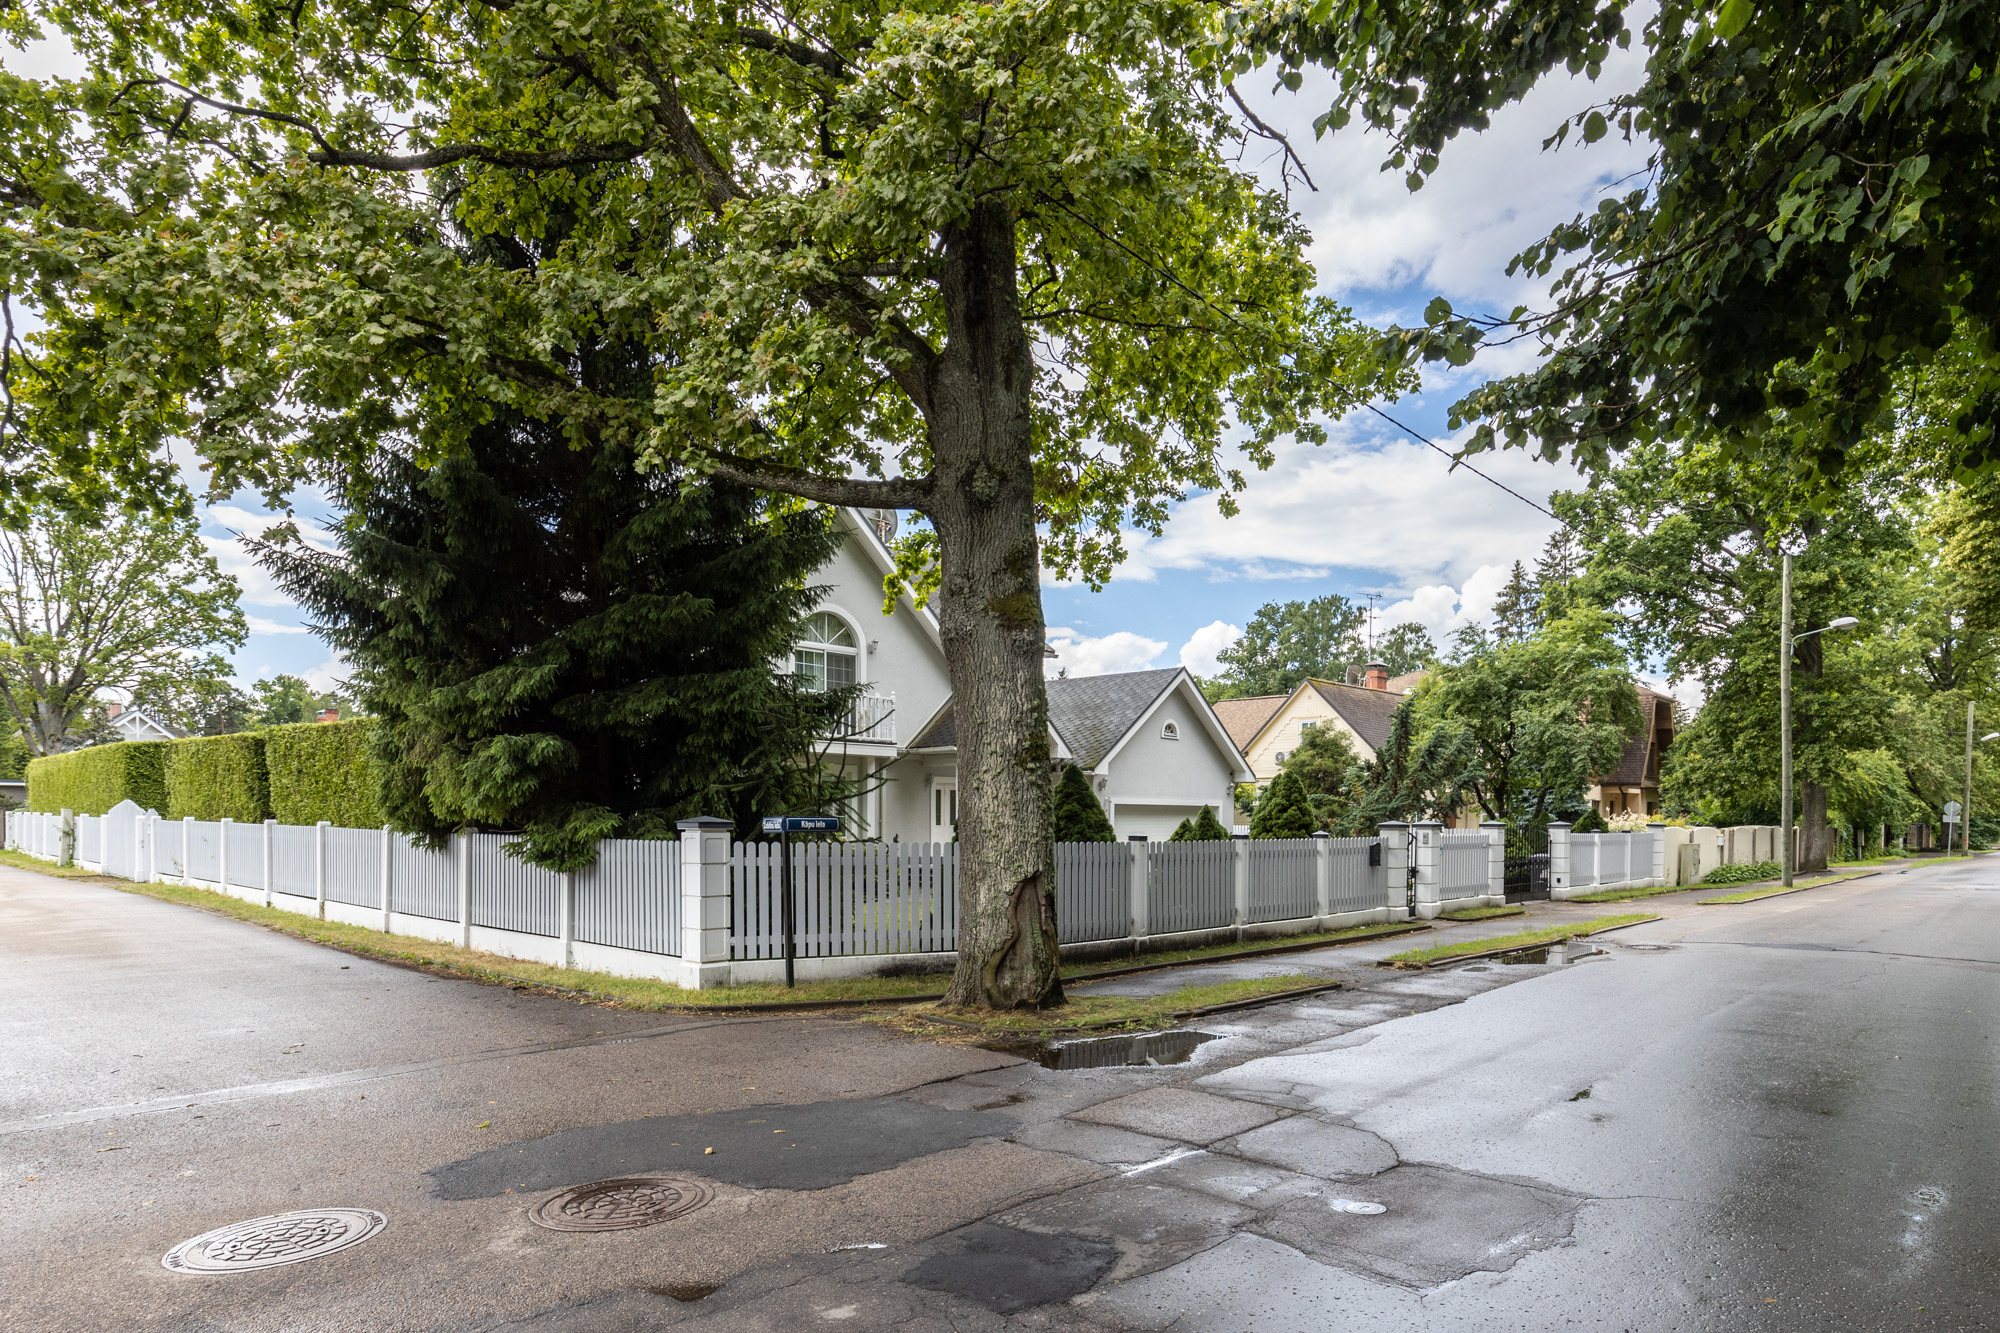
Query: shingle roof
{"x": 1367, "y": 711}
{"x": 1244, "y": 718}
{"x": 1090, "y": 713}
{"x": 1630, "y": 770}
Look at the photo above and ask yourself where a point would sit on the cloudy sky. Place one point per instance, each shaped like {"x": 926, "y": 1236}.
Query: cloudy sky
{"x": 1373, "y": 511}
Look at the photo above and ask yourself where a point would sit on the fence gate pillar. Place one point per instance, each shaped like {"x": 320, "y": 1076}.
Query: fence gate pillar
{"x": 566, "y": 918}
{"x": 1395, "y": 835}
{"x": 1559, "y": 860}
{"x": 1141, "y": 888}
{"x": 270, "y": 832}
{"x": 462, "y": 849}
{"x": 1242, "y": 848}
{"x": 387, "y": 833}
{"x": 1429, "y": 852}
{"x": 222, "y": 853}
{"x": 1322, "y": 875}
{"x": 1659, "y": 832}
{"x": 319, "y": 865}
{"x": 1496, "y": 861}
{"x": 705, "y": 901}
{"x": 66, "y": 847}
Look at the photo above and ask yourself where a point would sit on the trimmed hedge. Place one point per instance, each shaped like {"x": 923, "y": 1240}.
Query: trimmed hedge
{"x": 218, "y": 777}
{"x": 1744, "y": 874}
{"x": 322, "y": 770}
{"x": 92, "y": 780}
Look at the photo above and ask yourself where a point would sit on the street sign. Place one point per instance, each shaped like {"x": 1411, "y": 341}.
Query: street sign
{"x": 801, "y": 823}
{"x": 1951, "y": 809}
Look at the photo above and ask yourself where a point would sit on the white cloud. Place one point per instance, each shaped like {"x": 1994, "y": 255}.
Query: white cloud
{"x": 259, "y": 625}
{"x": 1085, "y": 655}
{"x": 1687, "y": 693}
{"x": 1198, "y": 654}
{"x": 1444, "y": 610}
{"x": 328, "y": 674}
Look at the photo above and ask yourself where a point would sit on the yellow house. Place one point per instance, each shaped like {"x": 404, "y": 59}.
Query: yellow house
{"x": 1361, "y": 712}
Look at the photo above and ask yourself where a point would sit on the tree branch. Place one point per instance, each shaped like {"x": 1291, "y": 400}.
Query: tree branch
{"x": 798, "y": 52}
{"x": 859, "y": 493}
{"x": 514, "y": 159}
{"x": 1276, "y": 136}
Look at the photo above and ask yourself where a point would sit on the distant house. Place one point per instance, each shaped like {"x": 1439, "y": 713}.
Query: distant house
{"x": 1362, "y": 713}
{"x": 1154, "y": 749}
{"x": 137, "y": 724}
{"x": 1632, "y": 787}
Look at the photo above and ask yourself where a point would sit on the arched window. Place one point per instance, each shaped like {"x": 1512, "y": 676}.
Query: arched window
{"x": 1170, "y": 731}
{"x": 825, "y": 656}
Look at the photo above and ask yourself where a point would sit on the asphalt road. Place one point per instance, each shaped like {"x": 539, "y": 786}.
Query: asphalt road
{"x": 1771, "y": 1116}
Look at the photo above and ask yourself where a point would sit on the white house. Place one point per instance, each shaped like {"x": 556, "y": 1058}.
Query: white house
{"x": 1154, "y": 750}
{"x": 136, "y": 724}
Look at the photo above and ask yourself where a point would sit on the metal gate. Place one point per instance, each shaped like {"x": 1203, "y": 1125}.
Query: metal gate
{"x": 1527, "y": 877}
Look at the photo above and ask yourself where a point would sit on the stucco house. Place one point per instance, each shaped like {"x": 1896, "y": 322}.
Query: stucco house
{"x": 1360, "y": 712}
{"x": 1153, "y": 748}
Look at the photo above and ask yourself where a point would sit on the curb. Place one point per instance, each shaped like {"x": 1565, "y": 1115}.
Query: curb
{"x": 1254, "y": 1002}
{"x": 1515, "y": 948}
{"x": 1784, "y": 893}
{"x": 1240, "y": 954}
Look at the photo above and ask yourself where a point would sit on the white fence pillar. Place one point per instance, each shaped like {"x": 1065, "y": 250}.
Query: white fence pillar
{"x": 1322, "y": 874}
{"x": 462, "y": 849}
{"x": 387, "y": 834}
{"x": 1242, "y": 864}
{"x": 270, "y": 832}
{"x": 1559, "y": 886}
{"x": 705, "y": 901}
{"x": 1659, "y": 832}
{"x": 1429, "y": 852}
{"x": 319, "y": 865}
{"x": 66, "y": 850}
{"x": 187, "y": 850}
{"x": 222, "y": 853}
{"x": 1496, "y": 861}
{"x": 566, "y": 917}
{"x": 1395, "y": 837}
{"x": 1142, "y": 886}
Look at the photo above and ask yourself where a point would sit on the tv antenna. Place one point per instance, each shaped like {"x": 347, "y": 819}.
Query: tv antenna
{"x": 1373, "y": 597}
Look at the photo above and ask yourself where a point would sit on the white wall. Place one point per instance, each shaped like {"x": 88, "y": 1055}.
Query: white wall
{"x": 1154, "y": 783}
{"x": 906, "y": 660}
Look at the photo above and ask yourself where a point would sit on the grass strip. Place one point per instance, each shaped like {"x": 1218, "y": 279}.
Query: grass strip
{"x": 1526, "y": 939}
{"x": 1627, "y": 895}
{"x": 1224, "y": 953}
{"x": 1093, "y": 1013}
{"x": 1485, "y": 913}
{"x": 1779, "y": 890}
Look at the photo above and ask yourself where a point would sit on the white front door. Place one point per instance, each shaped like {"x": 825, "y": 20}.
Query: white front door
{"x": 944, "y": 810}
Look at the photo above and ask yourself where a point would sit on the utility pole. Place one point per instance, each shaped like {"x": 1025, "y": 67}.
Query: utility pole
{"x": 1785, "y": 724}
{"x": 1965, "y": 811}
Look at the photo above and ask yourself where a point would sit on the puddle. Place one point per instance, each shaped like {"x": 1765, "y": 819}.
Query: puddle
{"x": 1148, "y": 1048}
{"x": 1562, "y": 951}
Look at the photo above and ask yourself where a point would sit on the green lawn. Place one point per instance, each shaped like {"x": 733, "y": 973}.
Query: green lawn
{"x": 1526, "y": 939}
{"x": 1485, "y": 913}
{"x": 1773, "y": 890}
{"x": 1627, "y": 895}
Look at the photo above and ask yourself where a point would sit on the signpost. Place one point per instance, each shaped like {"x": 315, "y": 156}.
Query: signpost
{"x": 785, "y": 826}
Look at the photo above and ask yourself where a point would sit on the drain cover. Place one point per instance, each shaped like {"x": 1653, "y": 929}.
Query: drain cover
{"x": 269, "y": 1242}
{"x": 1356, "y": 1206}
{"x": 618, "y": 1205}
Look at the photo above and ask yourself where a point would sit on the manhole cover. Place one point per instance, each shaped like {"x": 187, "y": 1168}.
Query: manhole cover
{"x": 1356, "y": 1206}
{"x": 269, "y": 1242}
{"x": 617, "y": 1205}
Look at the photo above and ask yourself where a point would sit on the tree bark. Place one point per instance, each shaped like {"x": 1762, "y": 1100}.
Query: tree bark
{"x": 982, "y": 504}
{"x": 1813, "y": 849}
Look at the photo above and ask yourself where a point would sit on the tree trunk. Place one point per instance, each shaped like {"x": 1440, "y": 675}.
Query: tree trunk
{"x": 990, "y": 620}
{"x": 1812, "y": 826}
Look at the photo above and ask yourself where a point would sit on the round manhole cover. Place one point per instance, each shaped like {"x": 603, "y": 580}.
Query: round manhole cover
{"x": 270, "y": 1242}
{"x": 1357, "y": 1206}
{"x": 617, "y": 1205}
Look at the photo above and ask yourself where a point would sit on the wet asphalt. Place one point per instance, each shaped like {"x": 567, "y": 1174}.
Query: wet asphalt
{"x": 1777, "y": 1115}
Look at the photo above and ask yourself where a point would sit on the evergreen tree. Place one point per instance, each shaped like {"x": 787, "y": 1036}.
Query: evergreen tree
{"x": 1323, "y": 765}
{"x": 1284, "y": 812}
{"x": 1183, "y": 832}
{"x": 1204, "y": 827}
{"x": 559, "y": 643}
{"x": 1078, "y": 815}
{"x": 1590, "y": 822}
{"x": 1556, "y": 572}
{"x": 1516, "y": 612}
{"x": 1412, "y": 777}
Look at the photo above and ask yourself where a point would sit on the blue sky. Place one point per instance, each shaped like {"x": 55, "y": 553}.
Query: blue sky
{"x": 1372, "y": 511}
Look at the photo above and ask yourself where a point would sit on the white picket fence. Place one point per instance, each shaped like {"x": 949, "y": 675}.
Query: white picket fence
{"x": 671, "y": 909}
{"x": 1581, "y": 863}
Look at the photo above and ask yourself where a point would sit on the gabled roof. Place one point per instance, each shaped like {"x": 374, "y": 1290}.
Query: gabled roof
{"x": 1244, "y": 718}
{"x": 879, "y": 555}
{"x": 1367, "y": 711}
{"x": 1655, "y": 709}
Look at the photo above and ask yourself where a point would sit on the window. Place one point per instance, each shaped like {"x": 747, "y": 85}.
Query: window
{"x": 825, "y": 657}
{"x": 1304, "y": 727}
{"x": 1171, "y": 731}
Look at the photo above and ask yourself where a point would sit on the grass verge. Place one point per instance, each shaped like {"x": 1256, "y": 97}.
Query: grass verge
{"x": 1087, "y": 1013}
{"x": 1778, "y": 890}
{"x": 1627, "y": 895}
{"x": 1485, "y": 913}
{"x": 1146, "y": 962}
{"x": 1526, "y": 939}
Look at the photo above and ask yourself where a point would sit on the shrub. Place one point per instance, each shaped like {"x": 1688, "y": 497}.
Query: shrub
{"x": 1743, "y": 874}
{"x": 218, "y": 777}
{"x": 93, "y": 780}
{"x": 1204, "y": 827}
{"x": 1633, "y": 823}
{"x": 1284, "y": 812}
{"x": 1589, "y": 822}
{"x": 323, "y": 770}
{"x": 1078, "y": 815}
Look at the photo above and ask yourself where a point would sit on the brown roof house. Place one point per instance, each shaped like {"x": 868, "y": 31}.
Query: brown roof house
{"x": 1361, "y": 711}
{"x": 1632, "y": 787}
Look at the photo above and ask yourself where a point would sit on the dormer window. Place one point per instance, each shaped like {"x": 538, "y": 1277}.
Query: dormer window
{"x": 825, "y": 655}
{"x": 1170, "y": 731}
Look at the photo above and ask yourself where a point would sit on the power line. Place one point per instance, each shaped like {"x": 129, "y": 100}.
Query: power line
{"x": 1459, "y": 462}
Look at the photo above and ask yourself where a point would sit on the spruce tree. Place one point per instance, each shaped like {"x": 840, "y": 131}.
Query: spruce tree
{"x": 561, "y": 644}
{"x": 1207, "y": 828}
{"x": 1183, "y": 832}
{"x": 1078, "y": 816}
{"x": 1284, "y": 811}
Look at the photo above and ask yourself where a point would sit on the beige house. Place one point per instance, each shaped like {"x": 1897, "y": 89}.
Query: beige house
{"x": 1632, "y": 787}
{"x": 1361, "y": 712}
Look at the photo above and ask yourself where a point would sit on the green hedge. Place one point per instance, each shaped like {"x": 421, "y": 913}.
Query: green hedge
{"x": 321, "y": 770}
{"x": 218, "y": 777}
{"x": 93, "y": 780}
{"x": 1743, "y": 874}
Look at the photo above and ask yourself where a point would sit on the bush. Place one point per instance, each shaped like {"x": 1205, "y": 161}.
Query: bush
{"x": 1078, "y": 815}
{"x": 93, "y": 780}
{"x": 1743, "y": 874}
{"x": 1204, "y": 827}
{"x": 1284, "y": 812}
{"x": 323, "y": 770}
{"x": 1590, "y": 822}
{"x": 218, "y": 777}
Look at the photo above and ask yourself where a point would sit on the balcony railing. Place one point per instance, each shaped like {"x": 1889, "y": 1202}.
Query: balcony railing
{"x": 872, "y": 718}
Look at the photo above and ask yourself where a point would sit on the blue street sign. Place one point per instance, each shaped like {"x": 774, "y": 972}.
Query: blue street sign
{"x": 801, "y": 823}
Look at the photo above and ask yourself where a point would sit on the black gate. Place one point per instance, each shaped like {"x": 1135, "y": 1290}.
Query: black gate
{"x": 1527, "y": 877}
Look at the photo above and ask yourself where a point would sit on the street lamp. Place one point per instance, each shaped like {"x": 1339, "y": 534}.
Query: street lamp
{"x": 1786, "y": 643}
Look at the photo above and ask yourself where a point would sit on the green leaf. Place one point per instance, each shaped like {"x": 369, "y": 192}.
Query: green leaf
{"x": 1593, "y": 127}
{"x": 1733, "y": 17}
{"x": 1438, "y": 311}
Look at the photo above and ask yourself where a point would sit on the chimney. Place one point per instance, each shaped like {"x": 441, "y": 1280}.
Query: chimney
{"x": 328, "y": 715}
{"x": 1376, "y": 675}
{"x": 113, "y": 709}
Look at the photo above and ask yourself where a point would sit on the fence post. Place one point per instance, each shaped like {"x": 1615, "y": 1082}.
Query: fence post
{"x": 1659, "y": 832}
{"x": 1430, "y": 853}
{"x": 566, "y": 918}
{"x": 1496, "y": 861}
{"x": 1395, "y": 837}
{"x": 319, "y": 865}
{"x": 386, "y": 835}
{"x": 464, "y": 868}
{"x": 1559, "y": 860}
{"x": 705, "y": 901}
{"x": 1141, "y": 869}
{"x": 1242, "y": 866}
{"x": 1322, "y": 876}
{"x": 187, "y": 851}
{"x": 140, "y": 874}
{"x": 222, "y": 853}
{"x": 270, "y": 825}
{"x": 66, "y": 847}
